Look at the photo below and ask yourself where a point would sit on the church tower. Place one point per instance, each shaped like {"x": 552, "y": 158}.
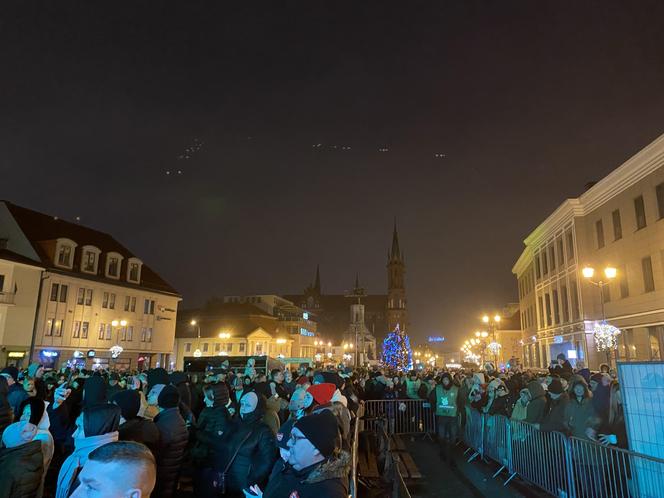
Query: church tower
{"x": 396, "y": 290}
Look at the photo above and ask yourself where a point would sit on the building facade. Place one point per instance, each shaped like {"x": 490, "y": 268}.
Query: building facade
{"x": 253, "y": 325}
{"x": 96, "y": 304}
{"x": 616, "y": 223}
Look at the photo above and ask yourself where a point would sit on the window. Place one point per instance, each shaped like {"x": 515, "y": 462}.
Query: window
{"x": 81, "y": 295}
{"x": 102, "y": 329}
{"x": 576, "y": 312}
{"x": 552, "y": 257}
{"x": 149, "y": 335}
{"x": 660, "y": 199}
{"x": 624, "y": 286}
{"x": 113, "y": 266}
{"x": 146, "y": 307}
{"x": 127, "y": 301}
{"x": 57, "y": 328}
{"x": 563, "y": 298}
{"x": 606, "y": 292}
{"x": 133, "y": 304}
{"x": 63, "y": 293}
{"x": 541, "y": 311}
{"x": 547, "y": 303}
{"x": 77, "y": 329}
{"x": 617, "y": 225}
{"x": 104, "y": 300}
{"x": 111, "y": 302}
{"x": 143, "y": 332}
{"x": 64, "y": 256}
{"x": 656, "y": 340}
{"x": 123, "y": 334}
{"x": 152, "y": 307}
{"x": 55, "y": 288}
{"x": 133, "y": 272}
{"x": 599, "y": 231}
{"x": 205, "y": 347}
{"x": 2, "y": 282}
{"x": 570, "y": 246}
{"x": 217, "y": 347}
{"x": 49, "y": 327}
{"x": 89, "y": 260}
{"x": 242, "y": 347}
{"x": 561, "y": 252}
{"x": 545, "y": 263}
{"x": 109, "y": 331}
{"x": 88, "y": 297}
{"x": 556, "y": 307}
{"x": 648, "y": 279}
{"x": 538, "y": 268}
{"x": 130, "y": 333}
{"x": 640, "y": 212}
{"x": 85, "y": 326}
{"x": 229, "y": 347}
{"x": 187, "y": 347}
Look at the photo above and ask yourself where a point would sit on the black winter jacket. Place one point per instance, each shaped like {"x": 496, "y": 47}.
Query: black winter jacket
{"x": 141, "y": 430}
{"x": 210, "y": 427}
{"x": 327, "y": 479}
{"x": 22, "y": 469}
{"x": 173, "y": 438}
{"x": 555, "y": 419}
{"x": 255, "y": 458}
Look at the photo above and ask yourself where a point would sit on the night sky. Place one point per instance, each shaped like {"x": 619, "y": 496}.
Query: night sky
{"x": 489, "y": 114}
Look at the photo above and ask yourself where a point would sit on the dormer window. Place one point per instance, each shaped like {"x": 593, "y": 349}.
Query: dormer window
{"x": 89, "y": 259}
{"x": 113, "y": 263}
{"x": 64, "y": 253}
{"x": 134, "y": 266}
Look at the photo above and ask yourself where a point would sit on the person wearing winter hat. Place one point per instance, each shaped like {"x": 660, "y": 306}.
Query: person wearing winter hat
{"x": 316, "y": 465}
{"x": 16, "y": 394}
{"x": 113, "y": 387}
{"x": 95, "y": 426}
{"x": 33, "y": 410}
{"x": 580, "y": 418}
{"x": 319, "y": 394}
{"x": 323, "y": 399}
{"x": 21, "y": 461}
{"x": 132, "y": 426}
{"x": 173, "y": 439}
{"x": 559, "y": 399}
{"x": 94, "y": 391}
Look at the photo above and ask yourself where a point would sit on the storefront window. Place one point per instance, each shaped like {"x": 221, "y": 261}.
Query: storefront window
{"x": 656, "y": 336}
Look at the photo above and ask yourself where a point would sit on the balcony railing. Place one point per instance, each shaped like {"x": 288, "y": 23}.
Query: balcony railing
{"x": 7, "y": 297}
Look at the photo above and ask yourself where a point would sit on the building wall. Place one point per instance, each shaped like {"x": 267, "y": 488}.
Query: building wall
{"x": 153, "y": 333}
{"x": 17, "y": 311}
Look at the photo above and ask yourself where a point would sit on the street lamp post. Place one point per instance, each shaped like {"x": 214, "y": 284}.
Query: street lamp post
{"x": 197, "y": 351}
{"x": 117, "y": 349}
{"x": 610, "y": 273}
{"x": 494, "y": 346}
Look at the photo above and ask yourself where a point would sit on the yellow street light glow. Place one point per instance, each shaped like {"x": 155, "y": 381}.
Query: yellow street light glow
{"x": 477, "y": 334}
{"x": 224, "y": 335}
{"x": 193, "y": 322}
{"x": 485, "y": 318}
{"x": 588, "y": 272}
{"x": 496, "y": 318}
{"x": 114, "y": 323}
{"x": 123, "y": 323}
{"x": 485, "y": 333}
{"x": 281, "y": 341}
{"x": 610, "y": 272}
{"x": 329, "y": 344}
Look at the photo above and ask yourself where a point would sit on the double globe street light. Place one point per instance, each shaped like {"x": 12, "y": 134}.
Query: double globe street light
{"x": 605, "y": 335}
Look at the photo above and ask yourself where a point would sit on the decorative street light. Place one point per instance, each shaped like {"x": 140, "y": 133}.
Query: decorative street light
{"x": 117, "y": 349}
{"x": 605, "y": 335}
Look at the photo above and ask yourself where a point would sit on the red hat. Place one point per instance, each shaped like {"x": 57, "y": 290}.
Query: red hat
{"x": 322, "y": 393}
{"x": 302, "y": 379}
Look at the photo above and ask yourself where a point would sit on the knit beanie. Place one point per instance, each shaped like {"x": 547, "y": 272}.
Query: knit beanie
{"x": 100, "y": 419}
{"x": 32, "y": 369}
{"x": 322, "y": 393}
{"x": 169, "y": 397}
{"x": 220, "y": 393}
{"x": 321, "y": 430}
{"x": 11, "y": 371}
{"x": 302, "y": 379}
{"x": 94, "y": 390}
{"x": 556, "y": 387}
{"x": 129, "y": 402}
{"x": 157, "y": 376}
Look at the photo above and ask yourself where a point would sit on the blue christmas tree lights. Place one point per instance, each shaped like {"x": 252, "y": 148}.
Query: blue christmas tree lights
{"x": 397, "y": 353}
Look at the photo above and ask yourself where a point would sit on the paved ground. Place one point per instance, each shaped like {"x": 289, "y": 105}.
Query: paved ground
{"x": 467, "y": 480}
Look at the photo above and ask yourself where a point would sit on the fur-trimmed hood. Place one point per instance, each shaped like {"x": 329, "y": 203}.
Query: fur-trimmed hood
{"x": 332, "y": 468}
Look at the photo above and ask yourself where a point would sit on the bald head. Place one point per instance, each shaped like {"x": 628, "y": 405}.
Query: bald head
{"x": 133, "y": 461}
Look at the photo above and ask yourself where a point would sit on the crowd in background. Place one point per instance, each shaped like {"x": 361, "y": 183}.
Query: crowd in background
{"x": 245, "y": 432}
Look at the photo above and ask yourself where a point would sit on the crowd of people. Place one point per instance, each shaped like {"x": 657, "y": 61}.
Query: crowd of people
{"x": 243, "y": 432}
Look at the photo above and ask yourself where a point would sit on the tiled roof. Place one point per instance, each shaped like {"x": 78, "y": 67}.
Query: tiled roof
{"x": 239, "y": 319}
{"x": 40, "y": 227}
{"x": 8, "y": 255}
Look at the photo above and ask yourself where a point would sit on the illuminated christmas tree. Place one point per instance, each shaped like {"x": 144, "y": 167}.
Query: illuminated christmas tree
{"x": 396, "y": 351}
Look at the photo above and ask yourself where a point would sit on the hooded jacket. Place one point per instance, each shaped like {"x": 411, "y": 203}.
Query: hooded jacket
{"x": 211, "y": 425}
{"x": 173, "y": 439}
{"x": 328, "y": 479}
{"x": 22, "y": 470}
{"x": 537, "y": 407}
{"x": 555, "y": 419}
{"x": 580, "y": 414}
{"x": 100, "y": 426}
{"x": 256, "y": 454}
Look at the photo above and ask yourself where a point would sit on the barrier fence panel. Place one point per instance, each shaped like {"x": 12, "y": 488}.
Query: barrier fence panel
{"x": 354, "y": 450}
{"x": 497, "y": 443}
{"x": 473, "y": 432}
{"x": 404, "y": 416}
{"x": 601, "y": 471}
{"x": 541, "y": 458}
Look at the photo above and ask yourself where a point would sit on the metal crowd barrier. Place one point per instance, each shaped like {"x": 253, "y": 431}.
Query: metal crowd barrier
{"x": 564, "y": 467}
{"x": 404, "y": 416}
{"x": 353, "y": 452}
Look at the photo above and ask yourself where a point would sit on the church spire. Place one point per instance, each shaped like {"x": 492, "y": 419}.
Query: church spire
{"x": 395, "y": 254}
{"x": 317, "y": 279}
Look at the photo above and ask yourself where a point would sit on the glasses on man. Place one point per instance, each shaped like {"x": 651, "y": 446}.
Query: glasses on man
{"x": 295, "y": 438}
